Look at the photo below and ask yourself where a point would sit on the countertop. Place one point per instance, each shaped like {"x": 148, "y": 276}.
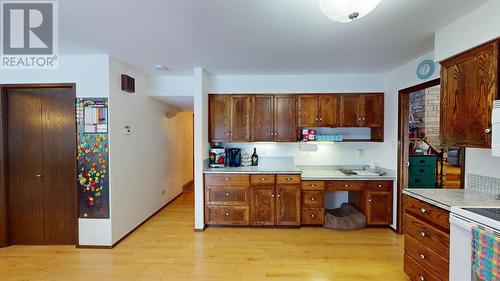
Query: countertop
{"x": 306, "y": 172}
{"x": 447, "y": 198}
{"x": 286, "y": 169}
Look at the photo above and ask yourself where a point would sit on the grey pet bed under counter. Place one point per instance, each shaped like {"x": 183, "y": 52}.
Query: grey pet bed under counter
{"x": 344, "y": 218}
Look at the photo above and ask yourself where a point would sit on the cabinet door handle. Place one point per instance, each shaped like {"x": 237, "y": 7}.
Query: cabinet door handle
{"x": 423, "y": 210}
{"x": 314, "y": 185}
{"x": 422, "y": 278}
{"x": 370, "y": 199}
{"x": 227, "y": 193}
{"x": 312, "y": 198}
{"x": 39, "y": 175}
{"x": 487, "y": 131}
{"x": 272, "y": 195}
{"x": 312, "y": 216}
{"x": 263, "y": 179}
{"x": 278, "y": 195}
{"x": 422, "y": 234}
{"x": 422, "y": 256}
{"x": 379, "y": 186}
{"x": 227, "y": 214}
{"x": 321, "y": 119}
{"x": 227, "y": 179}
{"x": 288, "y": 179}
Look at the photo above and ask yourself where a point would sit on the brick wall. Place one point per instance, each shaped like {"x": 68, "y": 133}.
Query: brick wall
{"x": 432, "y": 108}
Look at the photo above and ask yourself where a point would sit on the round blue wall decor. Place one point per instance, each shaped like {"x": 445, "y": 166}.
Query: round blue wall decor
{"x": 425, "y": 69}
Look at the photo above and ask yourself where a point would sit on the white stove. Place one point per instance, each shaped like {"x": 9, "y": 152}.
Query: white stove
{"x": 462, "y": 220}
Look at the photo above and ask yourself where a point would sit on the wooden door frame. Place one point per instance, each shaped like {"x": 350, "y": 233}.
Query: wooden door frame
{"x": 4, "y": 208}
{"x": 403, "y": 142}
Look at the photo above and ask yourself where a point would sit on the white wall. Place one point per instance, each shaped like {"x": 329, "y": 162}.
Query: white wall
{"x": 171, "y": 86}
{"x": 473, "y": 29}
{"x": 90, "y": 74}
{"x": 144, "y": 166}
{"x": 201, "y": 146}
{"x": 477, "y": 27}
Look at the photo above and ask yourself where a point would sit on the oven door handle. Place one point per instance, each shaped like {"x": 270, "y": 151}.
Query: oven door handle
{"x": 461, "y": 222}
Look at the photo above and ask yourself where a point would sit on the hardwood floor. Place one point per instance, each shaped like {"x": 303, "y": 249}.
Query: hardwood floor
{"x": 167, "y": 248}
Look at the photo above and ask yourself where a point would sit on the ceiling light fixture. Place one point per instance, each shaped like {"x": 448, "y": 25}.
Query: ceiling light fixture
{"x": 161, "y": 67}
{"x": 347, "y": 10}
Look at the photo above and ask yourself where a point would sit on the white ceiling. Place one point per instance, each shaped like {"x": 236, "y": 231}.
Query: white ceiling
{"x": 253, "y": 36}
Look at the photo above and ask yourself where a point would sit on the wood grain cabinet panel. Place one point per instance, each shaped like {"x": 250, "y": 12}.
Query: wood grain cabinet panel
{"x": 227, "y": 195}
{"x": 350, "y": 115}
{"x": 308, "y": 111}
{"x": 427, "y": 212}
{"x": 313, "y": 185}
{"x": 288, "y": 179}
{"x": 345, "y": 185}
{"x": 285, "y": 118}
{"x": 227, "y": 179}
{"x": 262, "y": 205}
{"x": 417, "y": 272}
{"x": 227, "y": 215}
{"x": 435, "y": 263}
{"x": 372, "y": 110}
{"x": 312, "y": 199}
{"x": 262, "y": 179}
{"x": 313, "y": 216}
{"x": 220, "y": 118}
{"x": 262, "y": 118}
{"x": 329, "y": 111}
{"x": 428, "y": 235}
{"x": 469, "y": 85}
{"x": 378, "y": 207}
{"x": 288, "y": 204}
{"x": 240, "y": 118}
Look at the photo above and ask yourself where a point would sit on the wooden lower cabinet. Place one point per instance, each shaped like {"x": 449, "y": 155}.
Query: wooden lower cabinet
{"x": 288, "y": 204}
{"x": 227, "y": 215}
{"x": 378, "y": 207}
{"x": 263, "y": 205}
{"x": 427, "y": 241}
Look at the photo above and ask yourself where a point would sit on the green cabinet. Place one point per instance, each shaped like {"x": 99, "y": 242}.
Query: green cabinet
{"x": 422, "y": 171}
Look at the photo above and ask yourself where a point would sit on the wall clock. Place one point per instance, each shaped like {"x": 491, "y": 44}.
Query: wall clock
{"x": 425, "y": 69}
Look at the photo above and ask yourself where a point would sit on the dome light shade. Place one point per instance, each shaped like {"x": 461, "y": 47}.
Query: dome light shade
{"x": 347, "y": 10}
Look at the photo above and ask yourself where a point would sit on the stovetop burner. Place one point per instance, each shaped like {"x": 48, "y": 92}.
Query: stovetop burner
{"x": 492, "y": 213}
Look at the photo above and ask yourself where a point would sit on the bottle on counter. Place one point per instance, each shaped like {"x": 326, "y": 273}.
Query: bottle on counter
{"x": 255, "y": 157}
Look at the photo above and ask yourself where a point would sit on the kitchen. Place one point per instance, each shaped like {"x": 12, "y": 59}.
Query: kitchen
{"x": 259, "y": 140}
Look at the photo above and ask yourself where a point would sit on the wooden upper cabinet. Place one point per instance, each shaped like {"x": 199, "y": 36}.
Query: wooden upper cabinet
{"x": 219, "y": 118}
{"x": 329, "y": 110}
{"x": 262, "y": 118}
{"x": 372, "y": 107}
{"x": 350, "y": 110}
{"x": 229, "y": 118}
{"x": 240, "y": 118}
{"x": 308, "y": 111}
{"x": 318, "y": 110}
{"x": 285, "y": 118}
{"x": 469, "y": 85}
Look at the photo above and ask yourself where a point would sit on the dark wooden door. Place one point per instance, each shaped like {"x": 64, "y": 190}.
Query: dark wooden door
{"x": 262, "y": 205}
{"x": 59, "y": 166}
{"x": 468, "y": 87}
{"x": 288, "y": 205}
{"x": 285, "y": 118}
{"x": 379, "y": 208}
{"x": 373, "y": 110}
{"x": 42, "y": 166}
{"x": 25, "y": 168}
{"x": 263, "y": 118}
{"x": 329, "y": 111}
{"x": 308, "y": 111}
{"x": 240, "y": 118}
{"x": 220, "y": 117}
{"x": 349, "y": 110}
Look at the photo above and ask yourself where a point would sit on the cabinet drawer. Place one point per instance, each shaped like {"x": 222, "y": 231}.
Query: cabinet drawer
{"x": 227, "y": 179}
{"x": 227, "y": 195}
{"x": 379, "y": 185}
{"x": 227, "y": 215}
{"x": 313, "y": 185}
{"x": 261, "y": 179}
{"x": 423, "y": 161}
{"x": 418, "y": 171}
{"x": 422, "y": 181}
{"x": 345, "y": 185}
{"x": 427, "y": 212}
{"x": 417, "y": 272}
{"x": 288, "y": 179}
{"x": 312, "y": 199}
{"x": 431, "y": 237}
{"x": 438, "y": 265}
{"x": 313, "y": 215}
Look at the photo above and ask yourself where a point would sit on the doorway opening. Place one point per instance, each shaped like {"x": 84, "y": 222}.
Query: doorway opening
{"x": 422, "y": 161}
{"x": 38, "y": 193}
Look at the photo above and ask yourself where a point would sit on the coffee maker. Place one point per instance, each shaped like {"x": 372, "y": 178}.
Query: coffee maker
{"x": 217, "y": 157}
{"x": 233, "y": 156}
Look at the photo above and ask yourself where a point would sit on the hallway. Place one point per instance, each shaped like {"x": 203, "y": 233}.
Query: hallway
{"x": 167, "y": 248}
